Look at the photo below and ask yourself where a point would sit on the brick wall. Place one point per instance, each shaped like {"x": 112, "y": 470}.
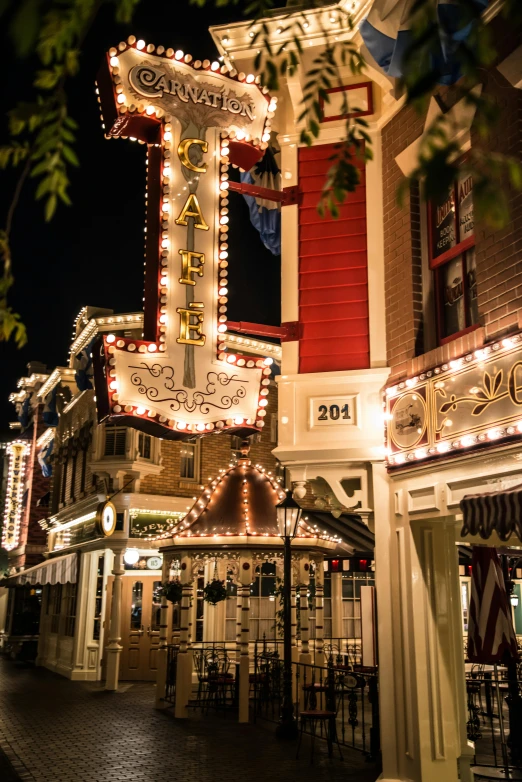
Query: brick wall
{"x": 215, "y": 454}
{"x": 499, "y": 279}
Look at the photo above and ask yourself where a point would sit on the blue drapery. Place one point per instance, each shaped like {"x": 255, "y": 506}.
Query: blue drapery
{"x": 83, "y": 369}
{"x": 386, "y": 33}
{"x": 23, "y": 410}
{"x": 49, "y": 414}
{"x": 265, "y": 216}
{"x": 44, "y": 459}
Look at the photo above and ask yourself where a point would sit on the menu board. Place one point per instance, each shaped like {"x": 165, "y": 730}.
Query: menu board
{"x": 465, "y": 202}
{"x": 443, "y": 225}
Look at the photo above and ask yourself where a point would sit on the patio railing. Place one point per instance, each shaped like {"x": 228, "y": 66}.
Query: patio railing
{"x": 346, "y": 698}
{"x": 494, "y": 700}
{"x": 172, "y": 667}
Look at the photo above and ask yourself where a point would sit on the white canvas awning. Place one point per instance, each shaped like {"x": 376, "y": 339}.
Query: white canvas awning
{"x": 60, "y": 570}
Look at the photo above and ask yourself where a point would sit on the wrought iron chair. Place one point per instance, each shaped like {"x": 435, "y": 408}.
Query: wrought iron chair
{"x": 322, "y": 719}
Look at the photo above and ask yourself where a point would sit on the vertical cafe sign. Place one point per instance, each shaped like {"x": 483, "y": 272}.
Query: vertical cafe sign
{"x": 17, "y": 452}
{"x": 196, "y": 118}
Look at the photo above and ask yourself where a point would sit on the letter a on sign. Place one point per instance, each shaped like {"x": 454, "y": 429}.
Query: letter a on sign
{"x": 179, "y": 380}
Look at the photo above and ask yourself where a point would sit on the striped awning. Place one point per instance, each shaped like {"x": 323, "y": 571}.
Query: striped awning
{"x": 498, "y": 511}
{"x": 60, "y": 570}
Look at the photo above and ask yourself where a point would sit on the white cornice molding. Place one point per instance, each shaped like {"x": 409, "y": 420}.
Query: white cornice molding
{"x": 234, "y": 39}
{"x": 59, "y": 374}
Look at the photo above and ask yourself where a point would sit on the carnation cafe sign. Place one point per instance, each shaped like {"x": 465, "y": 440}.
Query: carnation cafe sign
{"x": 195, "y": 117}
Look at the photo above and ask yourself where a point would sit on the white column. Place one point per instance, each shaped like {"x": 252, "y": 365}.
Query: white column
{"x": 215, "y": 616}
{"x": 161, "y": 673}
{"x": 319, "y": 613}
{"x": 44, "y": 626}
{"x": 184, "y": 666}
{"x": 388, "y": 606}
{"x": 303, "y": 611}
{"x": 245, "y": 577}
{"x": 337, "y": 605}
{"x": 422, "y": 687}
{"x": 114, "y": 647}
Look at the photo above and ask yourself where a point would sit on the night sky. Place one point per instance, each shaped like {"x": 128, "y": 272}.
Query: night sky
{"x": 92, "y": 252}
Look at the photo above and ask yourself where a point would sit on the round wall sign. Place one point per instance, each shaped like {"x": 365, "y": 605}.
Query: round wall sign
{"x": 408, "y": 420}
{"x": 106, "y": 518}
{"x": 154, "y": 563}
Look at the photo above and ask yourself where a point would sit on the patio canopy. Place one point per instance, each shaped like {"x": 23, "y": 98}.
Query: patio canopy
{"x": 60, "y": 570}
{"x": 498, "y": 511}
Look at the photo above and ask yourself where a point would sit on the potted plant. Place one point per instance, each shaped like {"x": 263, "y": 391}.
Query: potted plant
{"x": 214, "y": 592}
{"x": 172, "y": 590}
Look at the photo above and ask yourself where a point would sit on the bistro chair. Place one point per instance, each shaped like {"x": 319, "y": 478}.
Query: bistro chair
{"x": 220, "y": 681}
{"x": 320, "y": 719}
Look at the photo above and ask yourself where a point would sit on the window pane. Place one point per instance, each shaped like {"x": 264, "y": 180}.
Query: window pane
{"x": 471, "y": 282}
{"x": 451, "y": 293}
{"x": 156, "y": 606}
{"x": 136, "y": 605}
{"x": 115, "y": 440}
{"x": 187, "y": 454}
{"x": 347, "y": 587}
{"x": 327, "y": 585}
{"x": 443, "y": 225}
{"x": 144, "y": 445}
{"x": 465, "y": 196}
{"x": 268, "y": 585}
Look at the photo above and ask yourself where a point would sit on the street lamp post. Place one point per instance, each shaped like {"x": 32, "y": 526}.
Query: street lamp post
{"x": 288, "y": 515}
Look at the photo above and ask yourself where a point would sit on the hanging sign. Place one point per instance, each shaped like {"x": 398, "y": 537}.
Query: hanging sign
{"x": 14, "y": 493}
{"x": 179, "y": 380}
{"x": 472, "y": 401}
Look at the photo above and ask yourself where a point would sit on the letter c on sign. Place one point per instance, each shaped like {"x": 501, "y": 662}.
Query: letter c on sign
{"x": 183, "y": 149}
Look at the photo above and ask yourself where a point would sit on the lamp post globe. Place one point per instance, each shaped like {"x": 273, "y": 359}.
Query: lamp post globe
{"x": 288, "y": 517}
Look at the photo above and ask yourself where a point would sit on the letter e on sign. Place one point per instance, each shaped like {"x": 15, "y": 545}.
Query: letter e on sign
{"x": 178, "y": 380}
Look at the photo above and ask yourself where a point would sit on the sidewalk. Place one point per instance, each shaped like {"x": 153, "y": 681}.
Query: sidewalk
{"x": 62, "y": 731}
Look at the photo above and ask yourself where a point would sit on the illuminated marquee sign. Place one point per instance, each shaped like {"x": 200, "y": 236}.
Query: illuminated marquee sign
{"x": 196, "y": 118}
{"x": 469, "y": 402}
{"x": 14, "y": 493}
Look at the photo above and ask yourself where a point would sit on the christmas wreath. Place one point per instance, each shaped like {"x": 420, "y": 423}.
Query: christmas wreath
{"x": 214, "y": 592}
{"x": 172, "y": 590}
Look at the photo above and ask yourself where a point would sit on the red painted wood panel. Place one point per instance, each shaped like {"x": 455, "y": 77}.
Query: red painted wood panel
{"x": 333, "y": 272}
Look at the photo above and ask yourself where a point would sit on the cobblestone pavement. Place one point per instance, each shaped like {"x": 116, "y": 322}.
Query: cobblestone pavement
{"x": 54, "y": 730}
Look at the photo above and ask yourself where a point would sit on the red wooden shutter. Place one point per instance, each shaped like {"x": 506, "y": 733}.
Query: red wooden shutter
{"x": 333, "y": 272}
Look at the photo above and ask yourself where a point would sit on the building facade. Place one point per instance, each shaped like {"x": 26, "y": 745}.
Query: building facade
{"x": 151, "y": 483}
{"x": 393, "y": 305}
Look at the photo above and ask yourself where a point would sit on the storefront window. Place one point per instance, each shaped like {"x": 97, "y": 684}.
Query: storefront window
{"x": 263, "y": 602}
{"x": 155, "y": 621}
{"x": 56, "y": 607}
{"x": 69, "y": 608}
{"x": 464, "y": 594}
{"x": 136, "y": 606}
{"x": 98, "y": 602}
{"x": 24, "y": 604}
{"x": 452, "y": 258}
{"x": 351, "y": 591}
